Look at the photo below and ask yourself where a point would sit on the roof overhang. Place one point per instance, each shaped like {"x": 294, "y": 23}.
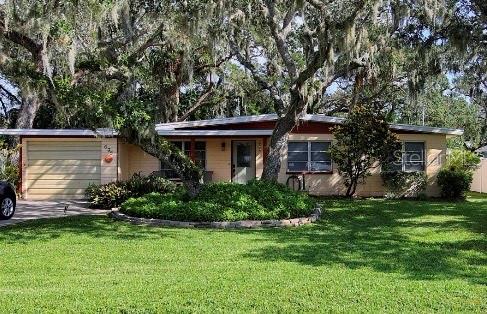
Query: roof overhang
{"x": 176, "y": 127}
{"x": 59, "y": 132}
{"x": 190, "y": 128}
{"x": 164, "y": 132}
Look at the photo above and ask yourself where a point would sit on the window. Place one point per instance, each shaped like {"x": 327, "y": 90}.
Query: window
{"x": 410, "y": 158}
{"x": 309, "y": 156}
{"x": 185, "y": 146}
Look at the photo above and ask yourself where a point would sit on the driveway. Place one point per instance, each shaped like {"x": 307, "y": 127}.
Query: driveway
{"x": 29, "y": 210}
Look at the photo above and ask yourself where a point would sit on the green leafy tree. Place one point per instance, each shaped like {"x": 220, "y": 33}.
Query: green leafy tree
{"x": 126, "y": 62}
{"x": 362, "y": 142}
{"x": 296, "y": 50}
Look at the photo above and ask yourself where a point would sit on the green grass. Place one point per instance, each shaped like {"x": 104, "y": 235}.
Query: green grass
{"x": 364, "y": 256}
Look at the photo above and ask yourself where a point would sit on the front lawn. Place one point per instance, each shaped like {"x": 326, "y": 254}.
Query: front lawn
{"x": 372, "y": 255}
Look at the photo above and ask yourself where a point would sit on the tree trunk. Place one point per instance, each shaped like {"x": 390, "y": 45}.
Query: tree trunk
{"x": 169, "y": 71}
{"x": 280, "y": 135}
{"x": 28, "y": 110}
{"x": 351, "y": 189}
{"x": 168, "y": 102}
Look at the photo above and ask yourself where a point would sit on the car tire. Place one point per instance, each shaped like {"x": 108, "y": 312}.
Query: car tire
{"x": 7, "y": 207}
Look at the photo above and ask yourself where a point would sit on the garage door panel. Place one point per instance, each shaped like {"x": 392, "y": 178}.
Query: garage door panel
{"x": 66, "y": 162}
{"x": 47, "y": 148}
{"x": 62, "y": 170}
{"x": 59, "y": 191}
{"x": 64, "y": 143}
{"x": 56, "y": 184}
{"x": 59, "y": 155}
{"x": 46, "y": 197}
{"x": 89, "y": 176}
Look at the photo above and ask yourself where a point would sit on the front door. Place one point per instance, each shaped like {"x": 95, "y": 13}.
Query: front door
{"x": 243, "y": 161}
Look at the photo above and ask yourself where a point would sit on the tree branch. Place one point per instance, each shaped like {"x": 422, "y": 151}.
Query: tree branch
{"x": 279, "y": 37}
{"x": 199, "y": 102}
{"x": 257, "y": 77}
{"x": 216, "y": 64}
{"x": 10, "y": 95}
{"x": 22, "y": 40}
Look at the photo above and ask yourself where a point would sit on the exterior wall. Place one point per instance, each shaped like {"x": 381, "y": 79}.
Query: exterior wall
{"x": 219, "y": 160}
{"x": 123, "y": 161}
{"x": 332, "y": 184}
{"x": 133, "y": 160}
{"x": 479, "y": 183}
{"x": 109, "y": 170}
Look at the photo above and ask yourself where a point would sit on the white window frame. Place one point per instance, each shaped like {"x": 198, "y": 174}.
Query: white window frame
{"x": 183, "y": 149}
{"x": 309, "y": 161}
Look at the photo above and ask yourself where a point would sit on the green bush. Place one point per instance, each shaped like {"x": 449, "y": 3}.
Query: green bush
{"x": 460, "y": 159}
{"x": 115, "y": 193}
{"x": 223, "y": 202}
{"x": 454, "y": 183}
{"x": 9, "y": 163}
{"x": 401, "y": 184}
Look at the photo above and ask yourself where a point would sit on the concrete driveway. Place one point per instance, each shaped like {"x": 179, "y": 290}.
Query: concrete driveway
{"x": 29, "y": 210}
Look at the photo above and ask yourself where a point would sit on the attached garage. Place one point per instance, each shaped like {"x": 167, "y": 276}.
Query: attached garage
{"x": 58, "y": 164}
{"x": 61, "y": 169}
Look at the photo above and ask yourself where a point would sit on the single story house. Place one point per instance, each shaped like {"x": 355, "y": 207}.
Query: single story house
{"x": 60, "y": 164}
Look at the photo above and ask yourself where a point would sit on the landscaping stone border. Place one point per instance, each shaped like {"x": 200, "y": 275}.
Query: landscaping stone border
{"x": 241, "y": 224}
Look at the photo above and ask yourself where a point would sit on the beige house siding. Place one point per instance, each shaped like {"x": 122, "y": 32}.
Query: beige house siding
{"x": 109, "y": 170}
{"x": 133, "y": 160}
{"x": 123, "y": 161}
{"x": 479, "y": 183}
{"x": 220, "y": 161}
{"x": 332, "y": 184}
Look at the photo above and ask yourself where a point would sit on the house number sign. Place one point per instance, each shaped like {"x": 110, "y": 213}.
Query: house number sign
{"x": 108, "y": 152}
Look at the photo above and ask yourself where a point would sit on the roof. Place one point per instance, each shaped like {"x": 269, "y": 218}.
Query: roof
{"x": 184, "y": 128}
{"x": 60, "y": 132}
{"x": 164, "y": 128}
{"x": 173, "y": 132}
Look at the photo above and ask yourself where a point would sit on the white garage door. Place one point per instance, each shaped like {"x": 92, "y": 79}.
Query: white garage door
{"x": 61, "y": 169}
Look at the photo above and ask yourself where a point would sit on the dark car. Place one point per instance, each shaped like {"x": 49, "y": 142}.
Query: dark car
{"x": 7, "y": 200}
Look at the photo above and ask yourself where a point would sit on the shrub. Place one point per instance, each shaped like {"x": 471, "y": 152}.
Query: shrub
{"x": 115, "y": 193}
{"x": 404, "y": 184}
{"x": 9, "y": 163}
{"x": 223, "y": 202}
{"x": 363, "y": 139}
{"x": 461, "y": 159}
{"x": 454, "y": 183}
{"x": 457, "y": 175}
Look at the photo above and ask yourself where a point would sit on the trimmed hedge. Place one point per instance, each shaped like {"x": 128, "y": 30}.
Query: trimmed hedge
{"x": 257, "y": 200}
{"x": 115, "y": 193}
